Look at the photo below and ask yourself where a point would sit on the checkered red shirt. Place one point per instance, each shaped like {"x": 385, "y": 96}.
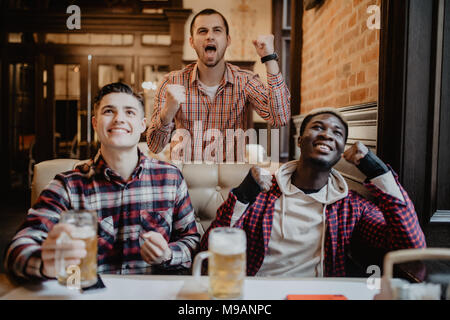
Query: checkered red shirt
{"x": 155, "y": 198}
{"x": 391, "y": 224}
{"x": 238, "y": 90}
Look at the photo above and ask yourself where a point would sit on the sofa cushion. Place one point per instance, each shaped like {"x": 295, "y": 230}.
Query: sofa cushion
{"x": 208, "y": 184}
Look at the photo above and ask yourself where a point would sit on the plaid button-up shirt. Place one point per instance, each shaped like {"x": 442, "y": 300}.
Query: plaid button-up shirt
{"x": 155, "y": 198}
{"x": 391, "y": 225}
{"x": 230, "y": 108}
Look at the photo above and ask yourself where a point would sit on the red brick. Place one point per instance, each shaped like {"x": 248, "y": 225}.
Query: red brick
{"x": 361, "y": 78}
{"x": 342, "y": 100}
{"x": 352, "y": 21}
{"x": 352, "y": 80}
{"x": 340, "y": 55}
{"x": 370, "y": 55}
{"x": 358, "y": 95}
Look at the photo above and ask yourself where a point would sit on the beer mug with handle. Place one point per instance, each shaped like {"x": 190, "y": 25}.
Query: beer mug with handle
{"x": 85, "y": 228}
{"x": 227, "y": 263}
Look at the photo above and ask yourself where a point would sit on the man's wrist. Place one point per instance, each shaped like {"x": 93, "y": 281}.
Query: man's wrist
{"x": 168, "y": 255}
{"x": 165, "y": 121}
{"x": 247, "y": 191}
{"x": 269, "y": 57}
{"x": 372, "y": 166}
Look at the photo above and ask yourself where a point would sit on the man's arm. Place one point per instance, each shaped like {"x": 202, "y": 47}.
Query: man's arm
{"x": 392, "y": 222}
{"x": 167, "y": 103}
{"x": 272, "y": 103}
{"x": 239, "y": 199}
{"x": 23, "y": 257}
{"x": 373, "y": 168}
{"x": 185, "y": 237}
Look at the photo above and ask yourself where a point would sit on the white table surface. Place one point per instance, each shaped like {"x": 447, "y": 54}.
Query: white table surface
{"x": 119, "y": 287}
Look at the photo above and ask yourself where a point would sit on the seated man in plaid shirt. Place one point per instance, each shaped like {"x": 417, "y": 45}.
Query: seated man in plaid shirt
{"x": 146, "y": 220}
{"x": 212, "y": 95}
{"x": 301, "y": 222}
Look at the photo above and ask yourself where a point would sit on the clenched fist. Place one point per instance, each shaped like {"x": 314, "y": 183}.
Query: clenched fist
{"x": 355, "y": 153}
{"x": 175, "y": 95}
{"x": 264, "y": 45}
{"x": 155, "y": 249}
{"x": 262, "y": 177}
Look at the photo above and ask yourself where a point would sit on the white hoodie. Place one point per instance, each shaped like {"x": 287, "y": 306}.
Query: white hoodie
{"x": 296, "y": 246}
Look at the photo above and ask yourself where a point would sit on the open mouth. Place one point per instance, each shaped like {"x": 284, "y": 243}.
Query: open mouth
{"x": 210, "y": 50}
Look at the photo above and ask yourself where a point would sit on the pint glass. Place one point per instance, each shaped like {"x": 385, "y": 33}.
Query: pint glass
{"x": 227, "y": 263}
{"x": 85, "y": 223}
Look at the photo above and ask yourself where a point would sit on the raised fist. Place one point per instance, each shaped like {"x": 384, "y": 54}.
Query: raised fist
{"x": 355, "y": 153}
{"x": 264, "y": 45}
{"x": 175, "y": 95}
{"x": 262, "y": 177}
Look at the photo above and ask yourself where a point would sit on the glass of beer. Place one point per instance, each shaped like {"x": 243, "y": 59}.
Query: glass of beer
{"x": 227, "y": 263}
{"x": 85, "y": 228}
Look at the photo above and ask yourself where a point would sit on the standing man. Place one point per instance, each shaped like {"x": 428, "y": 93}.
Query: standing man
{"x": 214, "y": 94}
{"x": 302, "y": 221}
{"x": 146, "y": 222}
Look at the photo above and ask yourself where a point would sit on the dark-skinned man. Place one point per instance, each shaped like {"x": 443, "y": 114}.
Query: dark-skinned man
{"x": 301, "y": 221}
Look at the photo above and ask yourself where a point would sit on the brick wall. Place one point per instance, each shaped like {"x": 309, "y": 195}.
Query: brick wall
{"x": 340, "y": 55}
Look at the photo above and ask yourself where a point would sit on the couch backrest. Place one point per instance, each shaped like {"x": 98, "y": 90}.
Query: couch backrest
{"x": 45, "y": 171}
{"x": 208, "y": 185}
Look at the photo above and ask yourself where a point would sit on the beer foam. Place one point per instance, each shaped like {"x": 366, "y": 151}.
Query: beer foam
{"x": 227, "y": 244}
{"x": 83, "y": 232}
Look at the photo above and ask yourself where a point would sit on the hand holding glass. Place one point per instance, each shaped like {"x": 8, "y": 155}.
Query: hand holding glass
{"x": 85, "y": 229}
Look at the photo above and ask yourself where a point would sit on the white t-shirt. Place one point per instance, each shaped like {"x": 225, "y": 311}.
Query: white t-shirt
{"x": 210, "y": 91}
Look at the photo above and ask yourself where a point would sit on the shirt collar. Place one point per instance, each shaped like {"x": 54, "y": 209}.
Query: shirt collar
{"x": 101, "y": 167}
{"x": 228, "y": 76}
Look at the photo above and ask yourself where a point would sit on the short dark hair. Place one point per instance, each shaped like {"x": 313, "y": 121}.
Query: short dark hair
{"x": 317, "y": 112}
{"x": 207, "y": 12}
{"x": 117, "y": 87}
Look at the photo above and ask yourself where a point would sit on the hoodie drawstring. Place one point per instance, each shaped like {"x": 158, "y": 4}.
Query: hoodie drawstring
{"x": 322, "y": 247}
{"x": 324, "y": 228}
{"x": 283, "y": 214}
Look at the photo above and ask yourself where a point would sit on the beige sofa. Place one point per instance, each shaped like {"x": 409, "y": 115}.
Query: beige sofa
{"x": 208, "y": 185}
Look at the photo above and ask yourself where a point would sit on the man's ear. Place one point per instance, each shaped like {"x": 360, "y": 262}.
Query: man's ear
{"x": 191, "y": 42}
{"x": 228, "y": 41}
{"x": 299, "y": 141}
{"x": 144, "y": 124}
{"x": 94, "y": 123}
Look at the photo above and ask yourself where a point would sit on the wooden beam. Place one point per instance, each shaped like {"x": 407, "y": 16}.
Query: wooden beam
{"x": 295, "y": 68}
{"x": 406, "y": 97}
{"x": 108, "y": 23}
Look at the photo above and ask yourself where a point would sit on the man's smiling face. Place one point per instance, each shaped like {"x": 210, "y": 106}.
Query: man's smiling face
{"x": 209, "y": 39}
{"x": 119, "y": 121}
{"x": 323, "y": 140}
